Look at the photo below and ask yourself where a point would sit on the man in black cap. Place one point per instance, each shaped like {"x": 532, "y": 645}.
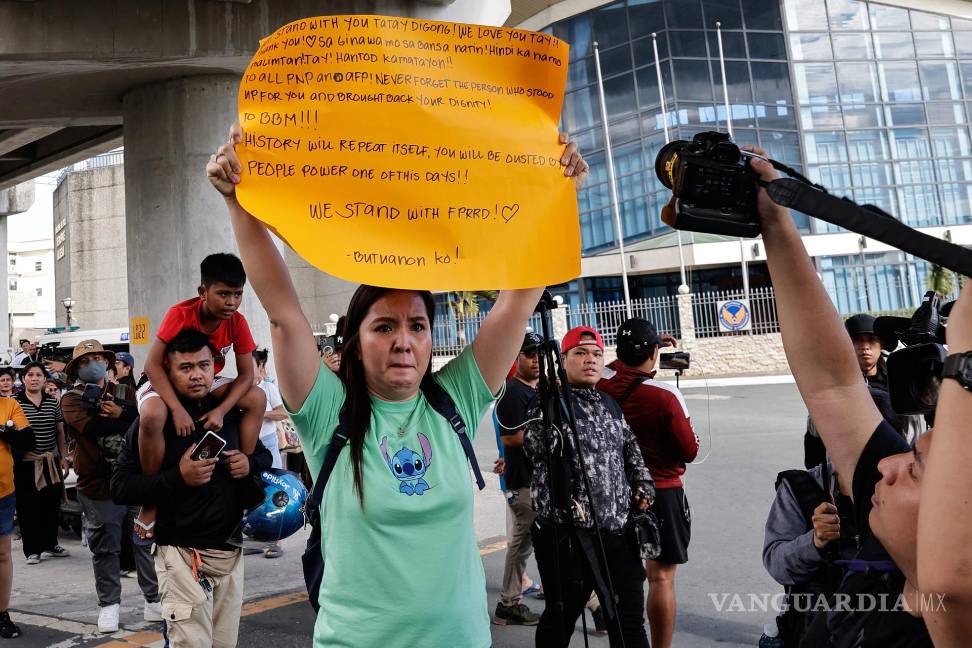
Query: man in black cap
{"x": 869, "y": 346}
{"x": 656, "y": 413}
{"x": 511, "y": 413}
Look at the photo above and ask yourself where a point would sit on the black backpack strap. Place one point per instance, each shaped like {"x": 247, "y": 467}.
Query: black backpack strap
{"x": 442, "y": 403}
{"x": 338, "y": 440}
{"x": 630, "y": 390}
{"x": 808, "y": 493}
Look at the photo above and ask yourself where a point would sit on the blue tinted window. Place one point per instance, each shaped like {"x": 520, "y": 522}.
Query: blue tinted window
{"x": 772, "y": 81}
{"x": 847, "y": 14}
{"x": 723, "y": 11}
{"x": 894, "y": 45}
{"x": 805, "y": 16}
{"x": 737, "y": 77}
{"x": 760, "y": 14}
{"x": 811, "y": 47}
{"x": 688, "y": 43}
{"x": 766, "y": 46}
{"x": 645, "y": 17}
{"x": 940, "y": 80}
{"x": 816, "y": 82}
{"x": 883, "y": 17}
{"x": 683, "y": 14}
{"x": 692, "y": 82}
{"x": 733, "y": 45}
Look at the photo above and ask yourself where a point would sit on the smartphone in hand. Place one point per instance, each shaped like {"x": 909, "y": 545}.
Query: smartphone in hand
{"x": 208, "y": 447}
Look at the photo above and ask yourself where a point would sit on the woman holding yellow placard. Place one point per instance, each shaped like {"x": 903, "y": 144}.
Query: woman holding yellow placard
{"x": 402, "y": 565}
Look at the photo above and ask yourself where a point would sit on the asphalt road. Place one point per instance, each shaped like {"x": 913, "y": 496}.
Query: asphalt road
{"x": 748, "y": 435}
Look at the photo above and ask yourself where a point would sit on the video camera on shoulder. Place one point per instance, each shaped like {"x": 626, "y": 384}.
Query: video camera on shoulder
{"x": 915, "y": 372}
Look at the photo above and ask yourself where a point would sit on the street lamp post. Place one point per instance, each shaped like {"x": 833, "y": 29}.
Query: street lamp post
{"x": 68, "y": 305}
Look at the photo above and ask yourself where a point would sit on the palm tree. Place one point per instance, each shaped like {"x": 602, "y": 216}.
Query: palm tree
{"x": 465, "y": 303}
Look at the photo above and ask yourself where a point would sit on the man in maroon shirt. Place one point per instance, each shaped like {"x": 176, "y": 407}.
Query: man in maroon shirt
{"x": 657, "y": 415}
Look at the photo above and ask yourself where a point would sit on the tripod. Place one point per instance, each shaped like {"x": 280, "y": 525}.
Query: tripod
{"x": 559, "y": 421}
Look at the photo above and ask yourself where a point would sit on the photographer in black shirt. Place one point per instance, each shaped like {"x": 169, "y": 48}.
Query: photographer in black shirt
{"x": 864, "y": 449}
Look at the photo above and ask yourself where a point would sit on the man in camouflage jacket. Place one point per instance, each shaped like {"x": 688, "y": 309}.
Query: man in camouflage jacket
{"x": 563, "y": 533}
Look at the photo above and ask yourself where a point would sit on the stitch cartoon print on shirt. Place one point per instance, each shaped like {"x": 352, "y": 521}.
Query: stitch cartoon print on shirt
{"x": 409, "y": 467}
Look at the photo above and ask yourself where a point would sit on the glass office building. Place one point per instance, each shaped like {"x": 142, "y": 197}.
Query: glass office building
{"x": 872, "y": 101}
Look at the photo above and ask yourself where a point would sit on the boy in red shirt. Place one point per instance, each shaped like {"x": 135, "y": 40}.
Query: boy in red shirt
{"x": 214, "y": 312}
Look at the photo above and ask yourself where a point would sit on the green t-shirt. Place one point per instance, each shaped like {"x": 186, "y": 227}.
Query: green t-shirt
{"x": 406, "y": 570}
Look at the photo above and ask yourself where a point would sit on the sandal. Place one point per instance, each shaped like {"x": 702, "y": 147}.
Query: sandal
{"x": 535, "y": 590}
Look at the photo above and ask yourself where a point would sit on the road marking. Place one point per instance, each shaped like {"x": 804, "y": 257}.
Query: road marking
{"x": 272, "y": 603}
{"x": 485, "y": 550}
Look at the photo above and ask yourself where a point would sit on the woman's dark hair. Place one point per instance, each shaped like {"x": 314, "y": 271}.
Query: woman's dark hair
{"x": 357, "y": 399}
{"x": 9, "y": 371}
{"x": 30, "y": 365}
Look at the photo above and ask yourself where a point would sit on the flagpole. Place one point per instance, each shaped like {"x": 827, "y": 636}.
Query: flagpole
{"x": 725, "y": 98}
{"x": 683, "y": 287}
{"x": 611, "y": 181}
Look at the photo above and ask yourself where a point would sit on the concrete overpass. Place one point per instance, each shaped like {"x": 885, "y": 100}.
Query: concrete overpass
{"x": 159, "y": 77}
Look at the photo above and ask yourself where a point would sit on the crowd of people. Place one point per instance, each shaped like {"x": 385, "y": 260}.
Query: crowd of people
{"x": 591, "y": 468}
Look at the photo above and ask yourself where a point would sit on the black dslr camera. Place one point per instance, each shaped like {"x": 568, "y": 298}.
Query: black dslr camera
{"x": 915, "y": 372}
{"x": 714, "y": 187}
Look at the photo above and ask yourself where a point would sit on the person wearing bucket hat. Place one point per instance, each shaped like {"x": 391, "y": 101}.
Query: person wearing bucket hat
{"x": 98, "y": 425}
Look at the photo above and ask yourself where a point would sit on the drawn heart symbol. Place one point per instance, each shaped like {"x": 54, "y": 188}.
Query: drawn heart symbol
{"x": 310, "y": 40}
{"x": 509, "y": 211}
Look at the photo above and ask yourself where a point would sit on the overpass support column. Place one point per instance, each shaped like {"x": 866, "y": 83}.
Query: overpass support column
{"x": 174, "y": 218}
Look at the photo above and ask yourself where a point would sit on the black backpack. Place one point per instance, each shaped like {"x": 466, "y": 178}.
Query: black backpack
{"x": 312, "y": 560}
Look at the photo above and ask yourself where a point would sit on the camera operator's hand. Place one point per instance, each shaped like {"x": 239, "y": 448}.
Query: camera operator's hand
{"x": 183, "y": 423}
{"x": 769, "y": 211}
{"x": 826, "y": 525}
{"x": 212, "y": 420}
{"x": 111, "y": 409}
{"x": 237, "y": 463}
{"x": 196, "y": 473}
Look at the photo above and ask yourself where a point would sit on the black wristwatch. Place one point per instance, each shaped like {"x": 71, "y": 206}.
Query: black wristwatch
{"x": 958, "y": 366}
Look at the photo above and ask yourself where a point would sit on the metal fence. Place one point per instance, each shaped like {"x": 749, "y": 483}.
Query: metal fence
{"x": 112, "y": 158}
{"x": 606, "y": 317}
{"x": 762, "y": 306}
{"x": 451, "y": 335}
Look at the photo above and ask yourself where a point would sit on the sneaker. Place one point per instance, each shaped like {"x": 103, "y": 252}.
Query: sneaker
{"x": 518, "y": 614}
{"x": 272, "y": 551}
{"x": 152, "y": 611}
{"x": 33, "y": 559}
{"x": 108, "y": 619}
{"x": 127, "y": 574}
{"x": 8, "y": 630}
{"x": 57, "y": 552}
{"x": 600, "y": 626}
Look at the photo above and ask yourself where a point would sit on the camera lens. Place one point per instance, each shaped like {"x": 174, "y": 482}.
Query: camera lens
{"x": 666, "y": 160}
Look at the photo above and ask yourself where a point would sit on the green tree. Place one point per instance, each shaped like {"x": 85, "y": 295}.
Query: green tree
{"x": 465, "y": 303}
{"x": 941, "y": 280}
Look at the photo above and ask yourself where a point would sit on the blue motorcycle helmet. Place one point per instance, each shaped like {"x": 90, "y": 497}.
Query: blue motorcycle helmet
{"x": 282, "y": 513}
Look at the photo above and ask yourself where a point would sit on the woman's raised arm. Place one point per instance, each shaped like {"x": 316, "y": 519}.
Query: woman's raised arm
{"x": 290, "y": 332}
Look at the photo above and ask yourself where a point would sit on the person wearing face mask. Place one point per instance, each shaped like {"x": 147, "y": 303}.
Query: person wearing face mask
{"x": 564, "y": 544}
{"x": 98, "y": 426}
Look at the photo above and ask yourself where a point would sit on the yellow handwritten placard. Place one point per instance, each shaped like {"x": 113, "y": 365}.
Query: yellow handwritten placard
{"x": 412, "y": 153}
{"x": 138, "y": 330}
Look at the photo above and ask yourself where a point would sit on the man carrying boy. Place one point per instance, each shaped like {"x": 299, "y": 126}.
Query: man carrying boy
{"x": 200, "y": 502}
{"x": 215, "y": 313}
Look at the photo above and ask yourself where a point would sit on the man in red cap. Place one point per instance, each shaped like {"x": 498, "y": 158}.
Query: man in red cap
{"x": 660, "y": 421}
{"x": 566, "y": 549}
